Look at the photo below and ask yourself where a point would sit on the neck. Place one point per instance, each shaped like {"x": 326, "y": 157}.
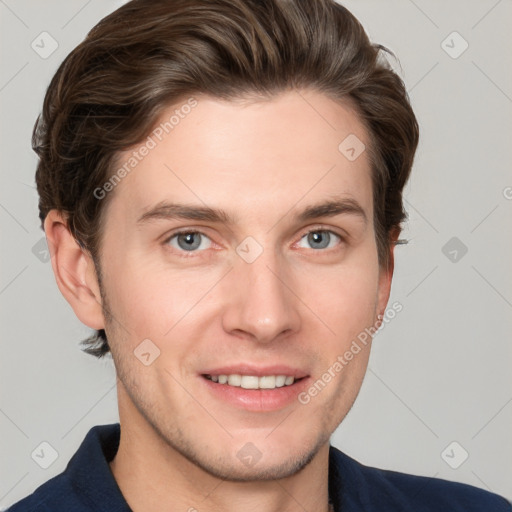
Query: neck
{"x": 153, "y": 476}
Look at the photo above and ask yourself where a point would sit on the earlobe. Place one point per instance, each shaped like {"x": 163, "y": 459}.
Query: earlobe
{"x": 74, "y": 271}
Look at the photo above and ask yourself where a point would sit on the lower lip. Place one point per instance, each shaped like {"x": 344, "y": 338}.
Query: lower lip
{"x": 259, "y": 400}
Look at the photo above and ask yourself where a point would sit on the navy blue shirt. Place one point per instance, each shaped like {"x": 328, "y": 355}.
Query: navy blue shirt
{"x": 88, "y": 485}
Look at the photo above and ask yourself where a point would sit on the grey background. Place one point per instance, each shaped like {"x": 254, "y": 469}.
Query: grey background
{"x": 439, "y": 372}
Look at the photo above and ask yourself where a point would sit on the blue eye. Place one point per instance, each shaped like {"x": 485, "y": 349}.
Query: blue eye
{"x": 189, "y": 241}
{"x": 321, "y": 239}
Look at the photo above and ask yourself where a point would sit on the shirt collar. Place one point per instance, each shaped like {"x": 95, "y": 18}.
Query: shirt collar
{"x": 90, "y": 472}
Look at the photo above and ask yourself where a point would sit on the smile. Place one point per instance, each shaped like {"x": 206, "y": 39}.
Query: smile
{"x": 253, "y": 381}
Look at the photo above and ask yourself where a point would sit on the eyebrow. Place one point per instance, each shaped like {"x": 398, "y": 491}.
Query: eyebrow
{"x": 169, "y": 211}
{"x": 174, "y": 211}
{"x": 341, "y": 206}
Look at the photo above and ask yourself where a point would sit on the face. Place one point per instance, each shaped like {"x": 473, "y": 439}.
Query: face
{"x": 241, "y": 247}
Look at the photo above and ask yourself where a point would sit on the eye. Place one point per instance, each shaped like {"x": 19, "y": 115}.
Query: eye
{"x": 189, "y": 241}
{"x": 320, "y": 239}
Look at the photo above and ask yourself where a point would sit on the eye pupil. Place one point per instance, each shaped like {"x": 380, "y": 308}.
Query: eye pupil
{"x": 188, "y": 241}
{"x": 319, "y": 239}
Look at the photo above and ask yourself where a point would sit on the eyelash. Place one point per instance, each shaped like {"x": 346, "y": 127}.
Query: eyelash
{"x": 191, "y": 254}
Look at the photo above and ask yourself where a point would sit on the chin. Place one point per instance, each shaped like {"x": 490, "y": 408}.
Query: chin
{"x": 251, "y": 465}
{"x": 241, "y": 460}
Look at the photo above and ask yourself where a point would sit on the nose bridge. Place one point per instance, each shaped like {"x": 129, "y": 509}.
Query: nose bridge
{"x": 261, "y": 306}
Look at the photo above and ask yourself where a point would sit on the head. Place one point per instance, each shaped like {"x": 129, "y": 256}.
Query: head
{"x": 289, "y": 136}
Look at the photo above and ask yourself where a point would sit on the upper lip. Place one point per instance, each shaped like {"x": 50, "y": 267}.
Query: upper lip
{"x": 258, "y": 371}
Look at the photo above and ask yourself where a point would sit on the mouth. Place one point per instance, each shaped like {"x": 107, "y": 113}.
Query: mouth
{"x": 253, "y": 381}
{"x": 253, "y": 388}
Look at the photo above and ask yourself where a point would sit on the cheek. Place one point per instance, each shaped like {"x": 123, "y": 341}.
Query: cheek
{"x": 344, "y": 298}
{"x": 153, "y": 301}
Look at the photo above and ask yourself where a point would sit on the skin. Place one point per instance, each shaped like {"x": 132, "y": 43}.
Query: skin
{"x": 296, "y": 304}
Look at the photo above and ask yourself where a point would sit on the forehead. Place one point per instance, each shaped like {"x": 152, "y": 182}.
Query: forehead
{"x": 258, "y": 158}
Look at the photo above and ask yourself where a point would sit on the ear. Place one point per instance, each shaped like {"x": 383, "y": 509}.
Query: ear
{"x": 74, "y": 271}
{"x": 386, "y": 275}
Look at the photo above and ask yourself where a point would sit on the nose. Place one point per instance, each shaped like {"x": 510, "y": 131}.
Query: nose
{"x": 262, "y": 306}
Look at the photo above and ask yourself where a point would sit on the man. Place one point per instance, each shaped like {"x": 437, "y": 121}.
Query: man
{"x": 221, "y": 190}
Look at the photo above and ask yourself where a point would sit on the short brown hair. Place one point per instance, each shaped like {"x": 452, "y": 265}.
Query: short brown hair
{"x": 108, "y": 93}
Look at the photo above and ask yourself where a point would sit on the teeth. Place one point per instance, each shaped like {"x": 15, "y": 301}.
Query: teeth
{"x": 253, "y": 381}
{"x": 267, "y": 382}
{"x": 234, "y": 380}
{"x": 249, "y": 382}
{"x": 280, "y": 380}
